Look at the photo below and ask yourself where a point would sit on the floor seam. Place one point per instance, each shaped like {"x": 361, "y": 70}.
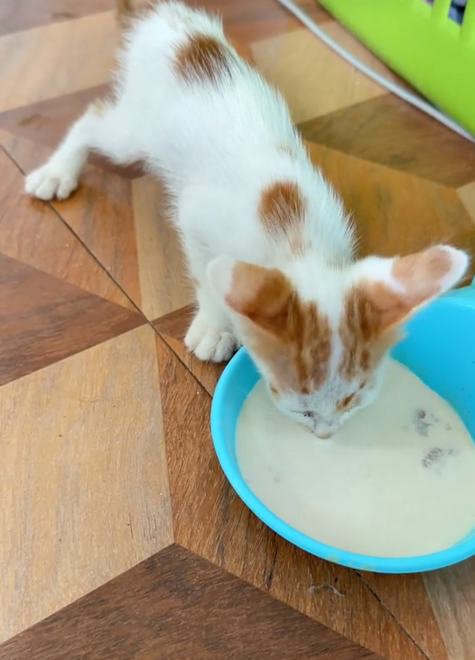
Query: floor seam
{"x": 79, "y": 239}
{"x": 392, "y": 615}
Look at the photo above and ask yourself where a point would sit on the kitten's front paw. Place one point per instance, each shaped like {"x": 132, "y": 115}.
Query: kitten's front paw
{"x": 47, "y": 182}
{"x": 209, "y": 341}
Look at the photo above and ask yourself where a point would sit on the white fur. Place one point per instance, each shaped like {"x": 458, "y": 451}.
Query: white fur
{"x": 217, "y": 146}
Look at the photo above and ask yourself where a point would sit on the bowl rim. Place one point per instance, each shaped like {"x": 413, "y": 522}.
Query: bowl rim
{"x": 412, "y": 564}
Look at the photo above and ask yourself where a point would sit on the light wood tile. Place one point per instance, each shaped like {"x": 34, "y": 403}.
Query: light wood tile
{"x": 83, "y": 481}
{"x": 30, "y": 231}
{"x": 164, "y": 285}
{"x": 452, "y": 593}
{"x": 251, "y": 21}
{"x": 467, "y": 195}
{"x": 314, "y": 79}
{"x": 56, "y": 59}
{"x": 395, "y": 212}
{"x": 16, "y": 15}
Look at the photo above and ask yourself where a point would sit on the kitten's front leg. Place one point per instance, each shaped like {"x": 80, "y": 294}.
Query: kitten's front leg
{"x": 210, "y": 336}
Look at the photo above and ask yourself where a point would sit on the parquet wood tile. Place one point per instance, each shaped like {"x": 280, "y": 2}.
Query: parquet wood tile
{"x": 62, "y": 62}
{"x": 297, "y": 63}
{"x": 452, "y": 594}
{"x": 25, "y": 14}
{"x": 164, "y": 284}
{"x": 31, "y": 232}
{"x": 405, "y": 596}
{"x": 172, "y": 328}
{"x": 177, "y": 606}
{"x": 251, "y": 21}
{"x": 210, "y": 520}
{"x": 44, "y": 319}
{"x": 85, "y": 486}
{"x": 467, "y": 195}
{"x": 388, "y": 131}
{"x": 83, "y": 480}
{"x": 395, "y": 213}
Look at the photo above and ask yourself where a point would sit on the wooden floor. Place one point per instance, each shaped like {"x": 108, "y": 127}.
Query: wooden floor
{"x": 106, "y": 465}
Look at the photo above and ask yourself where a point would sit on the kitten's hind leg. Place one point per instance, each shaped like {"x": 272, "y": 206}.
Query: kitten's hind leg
{"x": 98, "y": 129}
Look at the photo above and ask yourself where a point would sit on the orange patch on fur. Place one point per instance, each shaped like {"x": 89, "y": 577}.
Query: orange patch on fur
{"x": 292, "y": 335}
{"x": 282, "y": 211}
{"x": 203, "y": 59}
{"x": 344, "y": 403}
{"x": 364, "y": 337}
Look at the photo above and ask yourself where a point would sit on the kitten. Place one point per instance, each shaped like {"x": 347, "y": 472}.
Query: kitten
{"x": 267, "y": 239}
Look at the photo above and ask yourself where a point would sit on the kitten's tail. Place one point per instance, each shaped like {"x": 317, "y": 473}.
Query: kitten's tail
{"x": 125, "y": 11}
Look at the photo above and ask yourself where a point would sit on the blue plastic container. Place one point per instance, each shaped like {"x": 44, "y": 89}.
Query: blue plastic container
{"x": 440, "y": 349}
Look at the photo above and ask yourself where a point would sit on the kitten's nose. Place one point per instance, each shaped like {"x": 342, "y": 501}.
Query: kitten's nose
{"x": 323, "y": 430}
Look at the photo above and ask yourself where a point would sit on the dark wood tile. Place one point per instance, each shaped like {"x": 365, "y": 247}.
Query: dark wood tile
{"x": 177, "y": 606}
{"x": 172, "y": 328}
{"x": 16, "y": 15}
{"x": 211, "y": 521}
{"x": 406, "y": 597}
{"x": 389, "y": 131}
{"x": 43, "y": 319}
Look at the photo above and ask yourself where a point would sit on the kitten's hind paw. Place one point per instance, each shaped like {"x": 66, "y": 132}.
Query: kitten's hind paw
{"x": 46, "y": 183}
{"x": 208, "y": 341}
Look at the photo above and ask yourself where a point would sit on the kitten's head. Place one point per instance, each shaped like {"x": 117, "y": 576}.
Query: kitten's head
{"x": 319, "y": 339}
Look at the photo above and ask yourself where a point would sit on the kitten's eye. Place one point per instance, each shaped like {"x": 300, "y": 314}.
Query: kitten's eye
{"x": 308, "y": 413}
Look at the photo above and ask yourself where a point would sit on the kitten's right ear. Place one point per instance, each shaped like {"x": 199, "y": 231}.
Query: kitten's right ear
{"x": 262, "y": 295}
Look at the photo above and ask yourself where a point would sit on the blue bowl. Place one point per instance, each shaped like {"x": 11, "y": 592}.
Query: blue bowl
{"x": 440, "y": 349}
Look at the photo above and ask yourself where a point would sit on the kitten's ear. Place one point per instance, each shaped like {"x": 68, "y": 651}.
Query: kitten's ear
{"x": 260, "y": 294}
{"x": 397, "y": 287}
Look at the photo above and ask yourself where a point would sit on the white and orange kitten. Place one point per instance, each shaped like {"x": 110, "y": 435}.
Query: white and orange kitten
{"x": 267, "y": 239}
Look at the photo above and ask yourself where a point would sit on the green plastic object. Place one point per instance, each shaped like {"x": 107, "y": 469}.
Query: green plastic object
{"x": 422, "y": 44}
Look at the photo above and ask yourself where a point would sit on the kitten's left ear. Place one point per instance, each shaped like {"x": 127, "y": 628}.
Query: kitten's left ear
{"x": 260, "y": 294}
{"x": 397, "y": 287}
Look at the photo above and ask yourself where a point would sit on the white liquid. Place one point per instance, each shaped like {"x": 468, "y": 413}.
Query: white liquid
{"x": 398, "y": 479}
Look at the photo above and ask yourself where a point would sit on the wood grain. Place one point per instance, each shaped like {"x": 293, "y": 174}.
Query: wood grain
{"x": 177, "y": 606}
{"x": 394, "y": 212}
{"x": 302, "y": 67}
{"x": 31, "y": 232}
{"x": 172, "y": 328}
{"x": 405, "y": 596}
{"x": 83, "y": 481}
{"x": 100, "y": 213}
{"x": 16, "y": 15}
{"x": 467, "y": 196}
{"x": 62, "y": 63}
{"x": 452, "y": 594}
{"x": 249, "y": 21}
{"x": 211, "y": 521}
{"x": 43, "y": 319}
{"x": 164, "y": 284}
{"x": 388, "y": 131}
